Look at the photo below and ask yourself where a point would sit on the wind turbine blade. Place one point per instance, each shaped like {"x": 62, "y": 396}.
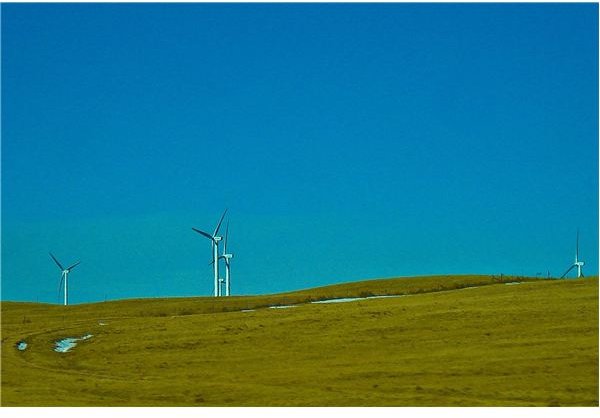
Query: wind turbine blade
{"x": 62, "y": 278}
{"x": 582, "y": 273}
{"x": 570, "y": 268}
{"x": 56, "y": 261}
{"x": 204, "y": 234}
{"x": 577, "y": 247}
{"x": 226, "y": 235}
{"x": 219, "y": 224}
{"x": 73, "y": 266}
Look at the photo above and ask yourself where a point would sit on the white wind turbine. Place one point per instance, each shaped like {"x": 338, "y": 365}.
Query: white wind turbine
{"x": 215, "y": 249}
{"x": 227, "y": 257}
{"x": 577, "y": 263}
{"x": 64, "y": 277}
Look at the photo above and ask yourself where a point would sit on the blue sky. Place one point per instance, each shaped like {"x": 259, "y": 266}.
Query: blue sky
{"x": 349, "y": 141}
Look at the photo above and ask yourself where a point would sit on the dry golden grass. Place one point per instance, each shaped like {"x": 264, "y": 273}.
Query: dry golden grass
{"x": 443, "y": 344}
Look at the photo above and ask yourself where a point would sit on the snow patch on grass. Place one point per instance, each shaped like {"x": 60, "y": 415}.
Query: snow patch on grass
{"x": 66, "y": 344}
{"x": 342, "y": 300}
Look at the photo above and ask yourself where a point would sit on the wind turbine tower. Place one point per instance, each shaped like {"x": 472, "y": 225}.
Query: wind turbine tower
{"x": 577, "y": 263}
{"x": 64, "y": 277}
{"x": 215, "y": 250}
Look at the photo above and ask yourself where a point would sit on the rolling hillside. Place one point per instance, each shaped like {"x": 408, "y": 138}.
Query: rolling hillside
{"x": 442, "y": 341}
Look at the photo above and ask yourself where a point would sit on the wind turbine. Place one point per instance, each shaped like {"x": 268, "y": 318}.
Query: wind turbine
{"x": 64, "y": 276}
{"x": 215, "y": 247}
{"x": 577, "y": 263}
{"x": 227, "y": 257}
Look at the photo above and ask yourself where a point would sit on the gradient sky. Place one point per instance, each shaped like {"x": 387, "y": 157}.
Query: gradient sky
{"x": 349, "y": 141}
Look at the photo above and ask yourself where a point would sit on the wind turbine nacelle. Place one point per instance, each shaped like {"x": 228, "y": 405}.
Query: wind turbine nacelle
{"x": 580, "y": 263}
{"x": 228, "y": 255}
{"x": 217, "y": 239}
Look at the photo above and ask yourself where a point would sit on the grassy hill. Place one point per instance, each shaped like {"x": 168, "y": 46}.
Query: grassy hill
{"x": 451, "y": 340}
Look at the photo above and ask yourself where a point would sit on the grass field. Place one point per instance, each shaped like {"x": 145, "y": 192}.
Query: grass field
{"x": 450, "y": 341}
